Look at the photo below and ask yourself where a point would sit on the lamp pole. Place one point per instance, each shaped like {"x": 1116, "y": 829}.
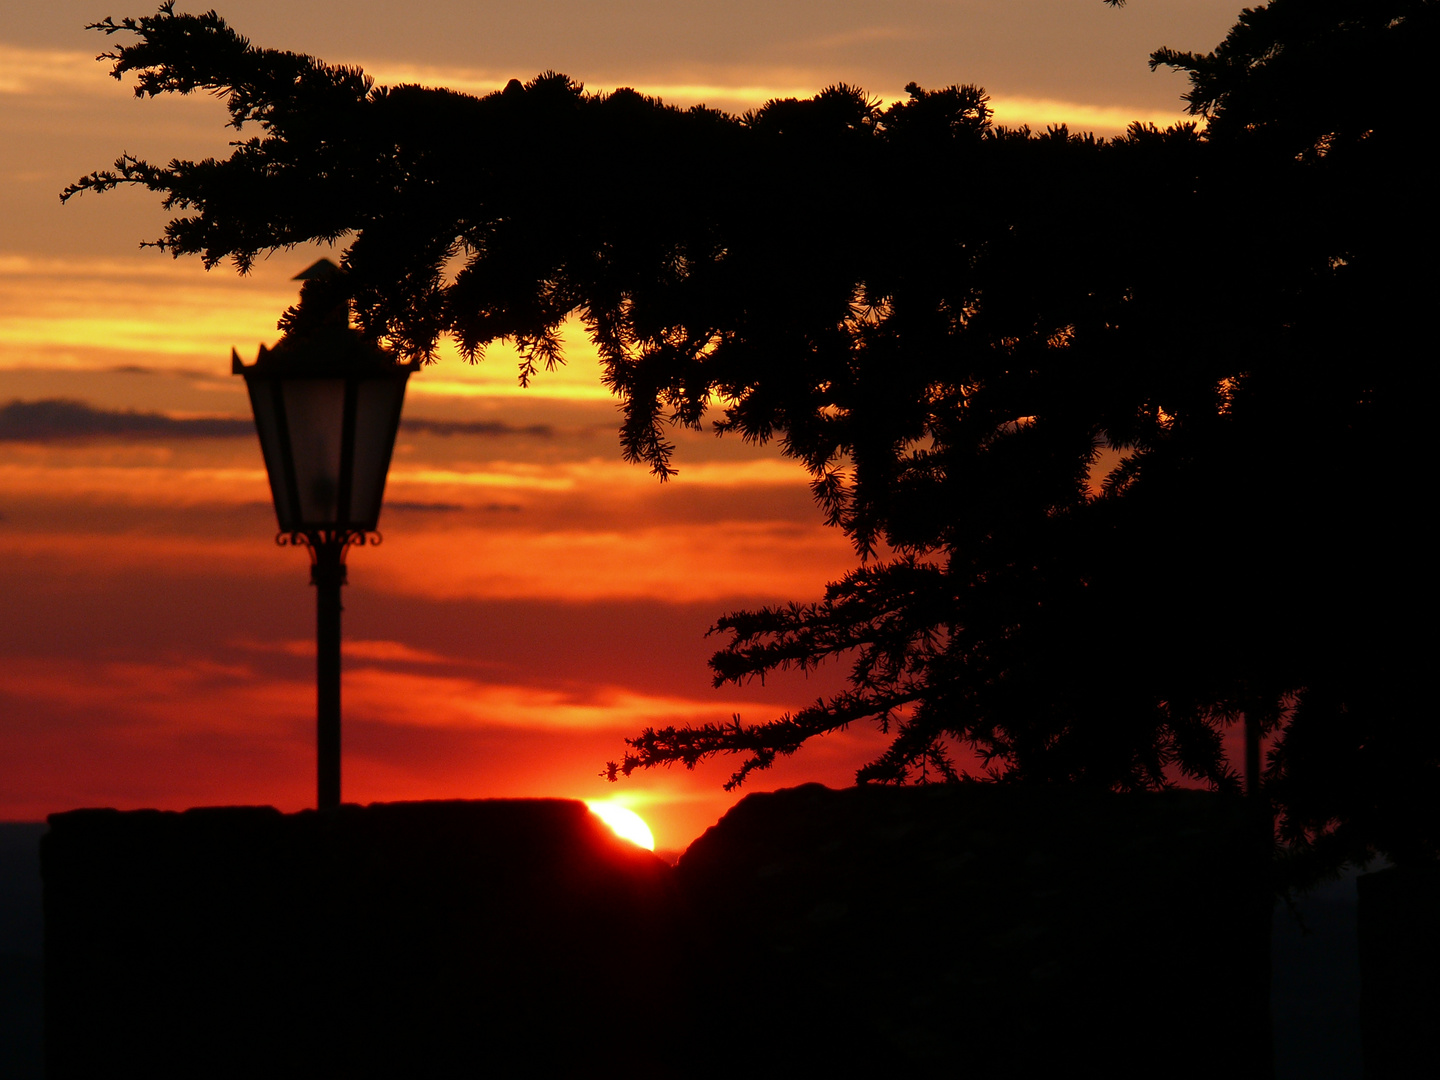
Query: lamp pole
{"x": 327, "y": 574}
{"x": 327, "y": 406}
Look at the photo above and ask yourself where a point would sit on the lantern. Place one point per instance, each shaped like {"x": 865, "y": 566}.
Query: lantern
{"x": 327, "y": 407}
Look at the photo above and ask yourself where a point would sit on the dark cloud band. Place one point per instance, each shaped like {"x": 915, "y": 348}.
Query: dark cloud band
{"x": 476, "y": 427}
{"x": 57, "y": 419}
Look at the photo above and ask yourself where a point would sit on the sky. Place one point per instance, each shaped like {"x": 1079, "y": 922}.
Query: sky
{"x": 535, "y": 599}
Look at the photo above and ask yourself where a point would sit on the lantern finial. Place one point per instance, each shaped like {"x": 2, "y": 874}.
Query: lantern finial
{"x": 320, "y": 268}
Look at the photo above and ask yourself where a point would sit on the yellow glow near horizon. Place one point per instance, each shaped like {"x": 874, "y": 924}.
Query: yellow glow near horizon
{"x": 751, "y": 90}
{"x": 1080, "y": 116}
{"x": 30, "y": 71}
{"x": 97, "y": 313}
{"x": 625, "y": 822}
{"x": 47, "y": 71}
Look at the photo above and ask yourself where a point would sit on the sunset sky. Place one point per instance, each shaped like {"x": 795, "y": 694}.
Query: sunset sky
{"x": 535, "y": 599}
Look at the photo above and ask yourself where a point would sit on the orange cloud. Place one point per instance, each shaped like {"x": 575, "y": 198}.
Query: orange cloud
{"x": 78, "y": 556}
{"x": 592, "y": 475}
{"x": 677, "y": 563}
{"x": 149, "y": 485}
{"x": 364, "y": 649}
{"x": 427, "y": 700}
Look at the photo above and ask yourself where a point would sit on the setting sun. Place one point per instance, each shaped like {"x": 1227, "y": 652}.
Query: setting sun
{"x": 626, "y": 823}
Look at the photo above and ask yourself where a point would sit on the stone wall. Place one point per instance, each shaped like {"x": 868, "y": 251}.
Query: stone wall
{"x": 973, "y": 930}
{"x": 1399, "y": 933}
{"x": 1013, "y": 932}
{"x": 420, "y": 939}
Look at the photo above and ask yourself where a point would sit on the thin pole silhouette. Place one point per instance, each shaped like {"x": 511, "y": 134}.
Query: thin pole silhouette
{"x": 1252, "y": 754}
{"x": 327, "y": 574}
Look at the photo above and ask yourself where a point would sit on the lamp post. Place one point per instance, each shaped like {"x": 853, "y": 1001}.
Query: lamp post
{"x": 327, "y": 405}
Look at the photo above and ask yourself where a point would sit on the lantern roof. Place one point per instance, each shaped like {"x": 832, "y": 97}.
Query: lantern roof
{"x": 319, "y": 340}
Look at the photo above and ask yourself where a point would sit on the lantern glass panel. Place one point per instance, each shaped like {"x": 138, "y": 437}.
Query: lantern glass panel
{"x": 315, "y": 415}
{"x": 377, "y": 412}
{"x": 267, "y": 424}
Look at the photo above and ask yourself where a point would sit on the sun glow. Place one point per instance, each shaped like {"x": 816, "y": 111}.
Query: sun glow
{"x": 627, "y": 824}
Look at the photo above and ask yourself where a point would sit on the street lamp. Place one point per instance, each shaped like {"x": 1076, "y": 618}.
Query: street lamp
{"x": 327, "y": 405}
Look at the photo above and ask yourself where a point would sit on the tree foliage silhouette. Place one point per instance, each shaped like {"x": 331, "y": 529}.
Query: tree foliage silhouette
{"x": 1127, "y": 431}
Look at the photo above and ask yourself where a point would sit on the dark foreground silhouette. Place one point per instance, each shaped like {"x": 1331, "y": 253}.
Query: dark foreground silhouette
{"x": 991, "y": 929}
{"x": 868, "y": 931}
{"x": 414, "y": 939}
{"x": 21, "y": 934}
{"x": 1399, "y": 962}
